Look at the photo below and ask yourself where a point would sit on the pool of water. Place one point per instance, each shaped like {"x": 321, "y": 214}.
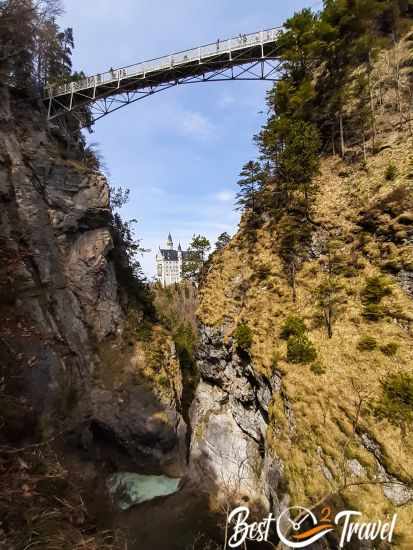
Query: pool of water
{"x": 128, "y": 489}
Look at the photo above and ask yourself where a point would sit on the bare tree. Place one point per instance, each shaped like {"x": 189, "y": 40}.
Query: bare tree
{"x": 329, "y": 292}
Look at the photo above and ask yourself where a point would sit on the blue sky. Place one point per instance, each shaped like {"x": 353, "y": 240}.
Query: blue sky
{"x": 180, "y": 151}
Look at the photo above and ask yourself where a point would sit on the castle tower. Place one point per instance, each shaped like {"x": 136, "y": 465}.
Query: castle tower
{"x": 170, "y": 263}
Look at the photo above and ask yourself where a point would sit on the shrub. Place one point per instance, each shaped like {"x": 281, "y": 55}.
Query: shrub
{"x": 317, "y": 368}
{"x": 144, "y": 331}
{"x": 185, "y": 341}
{"x": 300, "y": 349}
{"x": 391, "y": 172}
{"x": 389, "y": 349}
{"x": 263, "y": 272}
{"x": 243, "y": 337}
{"x": 367, "y": 343}
{"x": 163, "y": 380}
{"x": 293, "y": 326}
{"x": 376, "y": 289}
{"x": 373, "y": 312}
{"x": 275, "y": 360}
{"x": 399, "y": 389}
{"x": 396, "y": 403}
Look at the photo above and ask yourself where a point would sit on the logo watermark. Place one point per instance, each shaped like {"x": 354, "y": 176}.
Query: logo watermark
{"x": 306, "y": 527}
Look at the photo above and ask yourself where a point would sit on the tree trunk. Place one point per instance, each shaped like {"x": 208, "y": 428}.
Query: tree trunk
{"x": 330, "y": 321}
{"x": 293, "y": 282}
{"x": 343, "y": 146}
{"x": 364, "y": 148}
{"x": 372, "y": 110}
{"x": 397, "y": 80}
{"x": 307, "y": 202}
{"x": 226, "y": 529}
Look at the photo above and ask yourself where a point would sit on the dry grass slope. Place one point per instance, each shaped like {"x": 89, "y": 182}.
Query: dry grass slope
{"x": 329, "y": 441}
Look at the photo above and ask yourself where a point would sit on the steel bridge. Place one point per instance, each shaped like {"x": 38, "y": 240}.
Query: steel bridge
{"x": 245, "y": 57}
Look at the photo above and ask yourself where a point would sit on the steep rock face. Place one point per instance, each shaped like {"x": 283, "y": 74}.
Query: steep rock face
{"x": 61, "y": 302}
{"x": 58, "y": 281}
{"x": 229, "y": 419}
{"x": 152, "y": 436}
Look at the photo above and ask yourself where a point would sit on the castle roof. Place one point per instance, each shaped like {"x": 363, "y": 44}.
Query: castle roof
{"x": 171, "y": 255}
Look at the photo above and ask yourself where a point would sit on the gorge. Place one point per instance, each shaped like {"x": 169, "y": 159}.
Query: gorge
{"x": 282, "y": 378}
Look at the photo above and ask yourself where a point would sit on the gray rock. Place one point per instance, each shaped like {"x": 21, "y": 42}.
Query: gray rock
{"x": 274, "y": 487}
{"x": 394, "y": 490}
{"x": 356, "y": 468}
{"x": 151, "y": 434}
{"x": 406, "y": 281}
{"x": 327, "y": 473}
{"x": 56, "y": 257}
{"x": 371, "y": 445}
{"x": 249, "y": 420}
{"x": 223, "y": 456}
{"x": 228, "y": 416}
{"x": 92, "y": 279}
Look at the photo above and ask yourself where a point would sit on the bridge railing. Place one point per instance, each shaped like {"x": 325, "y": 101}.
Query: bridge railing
{"x": 199, "y": 54}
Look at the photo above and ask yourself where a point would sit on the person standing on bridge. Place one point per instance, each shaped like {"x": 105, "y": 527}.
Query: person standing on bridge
{"x": 218, "y": 44}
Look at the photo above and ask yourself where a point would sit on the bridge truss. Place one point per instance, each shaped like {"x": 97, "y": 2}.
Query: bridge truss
{"x": 246, "y": 57}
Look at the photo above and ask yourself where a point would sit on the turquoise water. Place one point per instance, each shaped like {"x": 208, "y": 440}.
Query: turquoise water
{"x": 128, "y": 489}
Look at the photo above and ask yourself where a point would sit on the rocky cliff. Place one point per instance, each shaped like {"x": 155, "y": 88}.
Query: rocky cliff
{"x": 73, "y": 354}
{"x": 276, "y": 425}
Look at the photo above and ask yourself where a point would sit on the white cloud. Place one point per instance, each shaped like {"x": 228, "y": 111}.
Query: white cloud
{"x": 225, "y": 101}
{"x": 196, "y": 125}
{"x": 225, "y": 196}
{"x": 155, "y": 190}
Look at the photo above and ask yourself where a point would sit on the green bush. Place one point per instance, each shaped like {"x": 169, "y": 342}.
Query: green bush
{"x": 391, "y": 172}
{"x": 367, "y": 343}
{"x": 399, "y": 389}
{"x": 243, "y": 337}
{"x": 185, "y": 341}
{"x": 293, "y": 326}
{"x": 376, "y": 289}
{"x": 300, "y": 349}
{"x": 396, "y": 403}
{"x": 317, "y": 368}
{"x": 163, "y": 380}
{"x": 144, "y": 331}
{"x": 373, "y": 312}
{"x": 389, "y": 349}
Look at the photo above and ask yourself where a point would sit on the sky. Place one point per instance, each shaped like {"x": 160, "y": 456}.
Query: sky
{"x": 179, "y": 152}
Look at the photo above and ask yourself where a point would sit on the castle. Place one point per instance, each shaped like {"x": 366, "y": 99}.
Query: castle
{"x": 169, "y": 263}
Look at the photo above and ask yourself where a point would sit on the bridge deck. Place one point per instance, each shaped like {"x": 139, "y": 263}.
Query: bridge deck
{"x": 172, "y": 68}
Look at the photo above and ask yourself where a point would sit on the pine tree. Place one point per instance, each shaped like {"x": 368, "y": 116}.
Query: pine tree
{"x": 17, "y": 42}
{"x": 299, "y": 160}
{"x": 222, "y": 241}
{"x": 32, "y": 47}
{"x": 250, "y": 182}
{"x": 196, "y": 257}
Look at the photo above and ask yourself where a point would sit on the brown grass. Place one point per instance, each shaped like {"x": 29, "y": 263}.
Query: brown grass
{"x": 316, "y": 449}
{"x": 41, "y": 507}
